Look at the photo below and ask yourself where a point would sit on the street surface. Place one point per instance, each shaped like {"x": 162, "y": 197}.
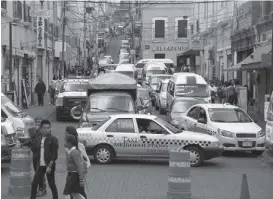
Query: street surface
{"x": 217, "y": 179}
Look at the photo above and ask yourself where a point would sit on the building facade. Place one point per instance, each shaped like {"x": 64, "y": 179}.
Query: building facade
{"x": 164, "y": 31}
{"x": 32, "y": 46}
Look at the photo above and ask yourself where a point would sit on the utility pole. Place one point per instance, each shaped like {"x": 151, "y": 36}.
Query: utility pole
{"x": 10, "y": 57}
{"x": 84, "y": 38}
{"x": 133, "y": 33}
{"x": 63, "y": 38}
{"x": 53, "y": 35}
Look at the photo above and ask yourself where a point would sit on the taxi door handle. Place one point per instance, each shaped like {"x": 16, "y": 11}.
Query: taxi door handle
{"x": 143, "y": 137}
{"x": 110, "y": 136}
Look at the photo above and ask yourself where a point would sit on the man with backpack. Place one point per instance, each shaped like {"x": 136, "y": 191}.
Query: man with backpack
{"x": 231, "y": 94}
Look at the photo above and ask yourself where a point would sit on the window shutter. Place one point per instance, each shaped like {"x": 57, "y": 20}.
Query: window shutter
{"x": 19, "y": 10}
{"x": 28, "y": 14}
{"x": 14, "y": 5}
{"x": 166, "y": 29}
{"x": 25, "y": 11}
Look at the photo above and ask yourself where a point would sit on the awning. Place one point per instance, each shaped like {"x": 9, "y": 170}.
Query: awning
{"x": 234, "y": 68}
{"x": 191, "y": 52}
{"x": 254, "y": 60}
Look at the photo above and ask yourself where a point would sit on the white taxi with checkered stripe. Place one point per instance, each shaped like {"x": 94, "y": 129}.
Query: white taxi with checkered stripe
{"x": 137, "y": 136}
{"x": 230, "y": 124}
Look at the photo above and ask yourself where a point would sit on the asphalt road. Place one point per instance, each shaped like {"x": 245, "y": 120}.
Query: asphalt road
{"x": 218, "y": 178}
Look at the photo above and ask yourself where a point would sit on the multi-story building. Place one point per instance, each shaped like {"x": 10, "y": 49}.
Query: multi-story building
{"x": 32, "y": 49}
{"x": 164, "y": 31}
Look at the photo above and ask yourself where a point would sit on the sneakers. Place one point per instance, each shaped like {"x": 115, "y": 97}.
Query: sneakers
{"x": 41, "y": 192}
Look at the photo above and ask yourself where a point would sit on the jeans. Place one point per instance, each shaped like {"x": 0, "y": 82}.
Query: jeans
{"x": 38, "y": 176}
{"x": 40, "y": 99}
{"x": 42, "y": 184}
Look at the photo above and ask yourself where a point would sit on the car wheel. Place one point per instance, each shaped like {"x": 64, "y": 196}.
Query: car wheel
{"x": 257, "y": 153}
{"x": 196, "y": 156}
{"x": 103, "y": 154}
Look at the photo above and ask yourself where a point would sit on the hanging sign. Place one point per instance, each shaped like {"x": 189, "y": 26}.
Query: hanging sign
{"x": 41, "y": 33}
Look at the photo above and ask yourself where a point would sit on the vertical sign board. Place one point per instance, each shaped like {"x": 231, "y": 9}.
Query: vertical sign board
{"x": 25, "y": 101}
{"x": 242, "y": 98}
{"x": 40, "y": 32}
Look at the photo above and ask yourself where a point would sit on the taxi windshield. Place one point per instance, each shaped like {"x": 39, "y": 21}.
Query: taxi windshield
{"x": 140, "y": 65}
{"x": 110, "y": 103}
{"x": 228, "y": 115}
{"x": 155, "y": 80}
{"x": 169, "y": 65}
{"x": 11, "y": 108}
{"x": 128, "y": 73}
{"x": 168, "y": 126}
{"x": 155, "y": 72}
{"x": 75, "y": 87}
{"x": 196, "y": 90}
{"x": 183, "y": 106}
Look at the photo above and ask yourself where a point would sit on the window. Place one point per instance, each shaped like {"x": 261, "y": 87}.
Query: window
{"x": 28, "y": 15}
{"x": 193, "y": 113}
{"x": 121, "y": 126}
{"x": 46, "y": 25}
{"x": 4, "y": 5}
{"x": 224, "y": 115}
{"x": 159, "y": 56}
{"x": 159, "y": 28}
{"x": 3, "y": 114}
{"x": 222, "y": 4}
{"x": 192, "y": 29}
{"x": 17, "y": 9}
{"x": 202, "y": 114}
{"x": 182, "y": 28}
{"x": 150, "y": 127}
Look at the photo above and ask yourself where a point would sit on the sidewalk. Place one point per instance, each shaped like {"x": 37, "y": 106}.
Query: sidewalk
{"x": 41, "y": 111}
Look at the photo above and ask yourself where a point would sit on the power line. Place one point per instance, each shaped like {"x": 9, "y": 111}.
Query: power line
{"x": 156, "y": 2}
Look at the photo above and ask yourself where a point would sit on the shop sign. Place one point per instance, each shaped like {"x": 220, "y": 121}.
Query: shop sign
{"x": 171, "y": 48}
{"x": 41, "y": 33}
{"x": 42, "y": 13}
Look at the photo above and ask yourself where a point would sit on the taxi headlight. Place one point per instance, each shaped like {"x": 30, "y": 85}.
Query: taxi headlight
{"x": 261, "y": 133}
{"x": 227, "y": 134}
{"x": 216, "y": 144}
{"x": 20, "y": 132}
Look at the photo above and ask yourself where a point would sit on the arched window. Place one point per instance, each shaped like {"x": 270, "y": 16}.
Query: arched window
{"x": 17, "y": 9}
{"x": 4, "y": 5}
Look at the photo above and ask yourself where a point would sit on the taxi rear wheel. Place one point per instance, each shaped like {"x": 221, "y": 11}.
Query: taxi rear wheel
{"x": 196, "y": 156}
{"x": 103, "y": 154}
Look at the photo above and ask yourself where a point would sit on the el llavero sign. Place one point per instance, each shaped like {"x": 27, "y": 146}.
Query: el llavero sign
{"x": 170, "y": 48}
{"x": 40, "y": 32}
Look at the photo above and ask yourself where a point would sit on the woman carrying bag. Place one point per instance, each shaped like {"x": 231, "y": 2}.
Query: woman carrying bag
{"x": 74, "y": 185}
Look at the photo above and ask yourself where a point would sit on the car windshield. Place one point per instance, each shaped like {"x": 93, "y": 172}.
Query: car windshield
{"x": 164, "y": 87}
{"x": 140, "y": 65}
{"x": 197, "y": 90}
{"x": 144, "y": 93}
{"x": 128, "y": 73}
{"x": 155, "y": 72}
{"x": 155, "y": 80}
{"x": 167, "y": 125}
{"x": 75, "y": 87}
{"x": 228, "y": 115}
{"x": 183, "y": 106}
{"x": 11, "y": 108}
{"x": 111, "y": 103}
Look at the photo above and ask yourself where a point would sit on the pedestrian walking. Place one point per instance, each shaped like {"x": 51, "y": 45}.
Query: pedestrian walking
{"x": 71, "y": 130}
{"x": 52, "y": 92}
{"x": 40, "y": 89}
{"x": 35, "y": 133}
{"x": 46, "y": 153}
{"x": 231, "y": 94}
{"x": 74, "y": 185}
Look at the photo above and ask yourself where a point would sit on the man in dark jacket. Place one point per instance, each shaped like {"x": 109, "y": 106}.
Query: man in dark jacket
{"x": 40, "y": 89}
{"x": 46, "y": 153}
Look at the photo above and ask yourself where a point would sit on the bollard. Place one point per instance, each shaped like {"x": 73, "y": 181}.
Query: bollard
{"x": 179, "y": 179}
{"x": 20, "y": 171}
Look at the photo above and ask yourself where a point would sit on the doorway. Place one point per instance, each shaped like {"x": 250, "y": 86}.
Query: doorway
{"x": 159, "y": 56}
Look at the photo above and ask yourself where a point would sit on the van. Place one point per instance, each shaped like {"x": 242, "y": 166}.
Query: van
{"x": 126, "y": 69}
{"x": 21, "y": 121}
{"x": 152, "y": 69}
{"x": 269, "y": 129}
{"x": 187, "y": 85}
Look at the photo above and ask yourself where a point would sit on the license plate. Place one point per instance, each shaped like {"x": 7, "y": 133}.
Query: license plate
{"x": 77, "y": 112}
{"x": 247, "y": 144}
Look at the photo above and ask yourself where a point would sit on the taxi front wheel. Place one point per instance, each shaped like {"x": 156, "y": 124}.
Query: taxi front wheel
{"x": 103, "y": 154}
{"x": 196, "y": 155}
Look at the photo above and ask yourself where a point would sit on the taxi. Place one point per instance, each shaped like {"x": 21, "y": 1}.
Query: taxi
{"x": 230, "y": 124}
{"x": 140, "y": 136}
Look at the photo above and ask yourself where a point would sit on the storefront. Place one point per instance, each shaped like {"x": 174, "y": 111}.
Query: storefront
{"x": 170, "y": 50}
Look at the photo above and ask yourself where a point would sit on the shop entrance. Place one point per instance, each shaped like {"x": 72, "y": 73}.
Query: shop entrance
{"x": 159, "y": 56}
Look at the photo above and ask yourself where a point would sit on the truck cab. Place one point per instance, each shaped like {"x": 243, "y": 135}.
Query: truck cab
{"x": 107, "y": 96}
{"x": 269, "y": 129}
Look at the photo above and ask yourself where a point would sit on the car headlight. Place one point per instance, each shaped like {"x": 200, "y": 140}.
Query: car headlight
{"x": 227, "y": 134}
{"x": 20, "y": 132}
{"x": 261, "y": 133}
{"x": 59, "y": 101}
{"x": 216, "y": 144}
